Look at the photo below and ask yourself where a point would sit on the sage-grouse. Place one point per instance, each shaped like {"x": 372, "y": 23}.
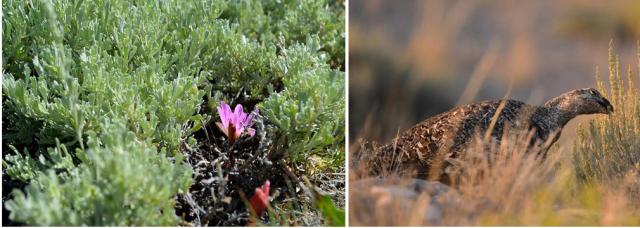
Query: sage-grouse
{"x": 420, "y": 146}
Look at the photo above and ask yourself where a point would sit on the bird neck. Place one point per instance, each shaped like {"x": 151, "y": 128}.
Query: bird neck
{"x": 556, "y": 117}
{"x": 557, "y": 112}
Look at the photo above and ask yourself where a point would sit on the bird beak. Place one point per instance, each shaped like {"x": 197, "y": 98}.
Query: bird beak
{"x": 607, "y": 105}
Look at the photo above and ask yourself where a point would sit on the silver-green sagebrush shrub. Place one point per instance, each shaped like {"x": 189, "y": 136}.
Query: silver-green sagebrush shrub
{"x": 121, "y": 182}
{"x": 309, "y": 123}
{"x": 296, "y": 21}
{"x": 81, "y": 170}
{"x": 65, "y": 92}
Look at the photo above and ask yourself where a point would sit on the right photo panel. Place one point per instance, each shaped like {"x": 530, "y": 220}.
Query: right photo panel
{"x": 493, "y": 113}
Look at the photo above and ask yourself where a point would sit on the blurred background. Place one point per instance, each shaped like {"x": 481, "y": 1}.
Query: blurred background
{"x": 409, "y": 60}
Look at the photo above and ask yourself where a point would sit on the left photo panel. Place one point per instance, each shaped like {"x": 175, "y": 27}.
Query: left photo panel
{"x": 173, "y": 113}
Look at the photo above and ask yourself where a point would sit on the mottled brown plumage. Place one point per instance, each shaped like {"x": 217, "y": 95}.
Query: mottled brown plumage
{"x": 446, "y": 135}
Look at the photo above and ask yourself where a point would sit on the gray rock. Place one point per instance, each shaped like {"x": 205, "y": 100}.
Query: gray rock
{"x": 402, "y": 196}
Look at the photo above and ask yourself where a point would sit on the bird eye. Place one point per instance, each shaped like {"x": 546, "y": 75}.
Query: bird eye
{"x": 593, "y": 92}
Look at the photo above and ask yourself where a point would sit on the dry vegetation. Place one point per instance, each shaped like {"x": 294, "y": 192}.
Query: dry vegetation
{"x": 596, "y": 183}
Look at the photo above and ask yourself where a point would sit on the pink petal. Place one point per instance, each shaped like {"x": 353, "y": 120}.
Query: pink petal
{"x": 247, "y": 121}
{"x": 223, "y": 129}
{"x": 228, "y": 112}
{"x": 241, "y": 118}
{"x": 221, "y": 113}
{"x": 224, "y": 111}
{"x": 238, "y": 111}
{"x": 260, "y": 198}
{"x": 238, "y": 115}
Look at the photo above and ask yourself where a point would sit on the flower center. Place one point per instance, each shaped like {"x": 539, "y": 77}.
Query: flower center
{"x": 232, "y": 133}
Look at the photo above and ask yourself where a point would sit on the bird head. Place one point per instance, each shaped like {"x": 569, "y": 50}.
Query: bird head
{"x": 582, "y": 101}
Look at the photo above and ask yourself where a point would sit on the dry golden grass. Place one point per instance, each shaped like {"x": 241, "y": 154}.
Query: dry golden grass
{"x": 596, "y": 183}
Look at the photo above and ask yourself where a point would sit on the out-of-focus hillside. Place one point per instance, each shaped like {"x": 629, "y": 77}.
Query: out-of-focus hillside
{"x": 413, "y": 59}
